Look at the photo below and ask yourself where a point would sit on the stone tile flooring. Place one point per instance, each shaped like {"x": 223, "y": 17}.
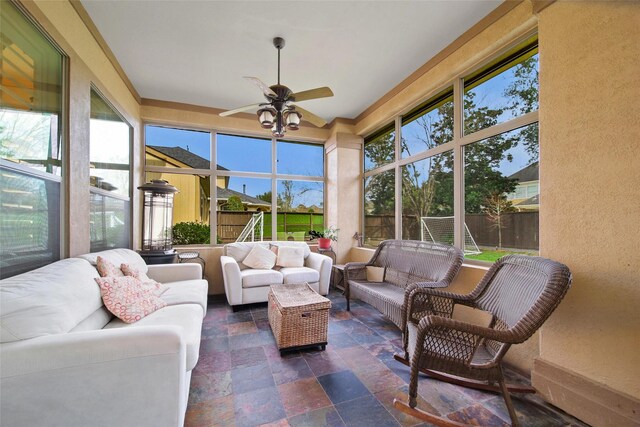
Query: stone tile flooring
{"x": 242, "y": 380}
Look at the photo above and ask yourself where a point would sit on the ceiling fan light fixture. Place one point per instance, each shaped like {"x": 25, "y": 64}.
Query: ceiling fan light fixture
{"x": 267, "y": 117}
{"x": 293, "y": 120}
{"x": 278, "y": 131}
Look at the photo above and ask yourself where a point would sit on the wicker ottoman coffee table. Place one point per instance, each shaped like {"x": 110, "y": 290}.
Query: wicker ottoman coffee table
{"x": 299, "y": 317}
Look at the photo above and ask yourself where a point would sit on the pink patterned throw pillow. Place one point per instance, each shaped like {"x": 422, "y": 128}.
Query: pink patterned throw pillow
{"x": 127, "y": 298}
{"x": 158, "y": 288}
{"x": 107, "y": 268}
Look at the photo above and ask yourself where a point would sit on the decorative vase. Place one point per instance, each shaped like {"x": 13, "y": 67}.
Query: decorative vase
{"x": 324, "y": 243}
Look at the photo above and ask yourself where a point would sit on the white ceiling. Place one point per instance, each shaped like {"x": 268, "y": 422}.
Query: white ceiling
{"x": 197, "y": 52}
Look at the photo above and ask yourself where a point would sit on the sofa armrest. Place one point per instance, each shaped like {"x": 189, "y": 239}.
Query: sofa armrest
{"x": 322, "y": 264}
{"x": 102, "y": 378}
{"x": 166, "y": 273}
{"x": 232, "y": 280}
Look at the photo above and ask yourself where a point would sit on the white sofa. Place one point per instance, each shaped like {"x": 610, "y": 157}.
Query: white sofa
{"x": 66, "y": 361}
{"x": 244, "y": 285}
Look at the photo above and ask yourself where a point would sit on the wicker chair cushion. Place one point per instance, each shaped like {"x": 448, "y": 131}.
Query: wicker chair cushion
{"x": 386, "y": 297}
{"x": 252, "y": 278}
{"x": 296, "y": 275}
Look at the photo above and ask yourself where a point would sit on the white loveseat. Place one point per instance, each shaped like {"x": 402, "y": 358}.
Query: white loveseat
{"x": 66, "y": 361}
{"x": 244, "y": 285}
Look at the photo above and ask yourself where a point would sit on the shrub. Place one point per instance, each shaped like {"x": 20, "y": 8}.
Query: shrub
{"x": 191, "y": 233}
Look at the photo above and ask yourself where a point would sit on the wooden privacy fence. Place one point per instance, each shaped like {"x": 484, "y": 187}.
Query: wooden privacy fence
{"x": 519, "y": 229}
{"x": 231, "y": 224}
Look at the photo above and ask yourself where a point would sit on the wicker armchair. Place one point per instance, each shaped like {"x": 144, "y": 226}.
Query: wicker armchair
{"x": 405, "y": 262}
{"x": 519, "y": 291}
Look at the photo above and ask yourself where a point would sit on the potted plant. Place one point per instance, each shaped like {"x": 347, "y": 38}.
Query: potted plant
{"x": 325, "y": 236}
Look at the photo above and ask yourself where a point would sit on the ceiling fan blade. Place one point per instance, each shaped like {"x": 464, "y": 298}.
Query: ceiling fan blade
{"x": 265, "y": 89}
{"x": 239, "y": 110}
{"x": 311, "y": 118}
{"x": 319, "y": 92}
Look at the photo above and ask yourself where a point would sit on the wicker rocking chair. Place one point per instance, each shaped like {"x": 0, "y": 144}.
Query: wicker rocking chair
{"x": 520, "y": 292}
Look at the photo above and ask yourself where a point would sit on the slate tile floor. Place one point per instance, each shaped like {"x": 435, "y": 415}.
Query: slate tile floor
{"x": 241, "y": 379}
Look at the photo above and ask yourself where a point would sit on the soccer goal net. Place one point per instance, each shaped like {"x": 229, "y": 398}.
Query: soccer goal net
{"x": 439, "y": 229}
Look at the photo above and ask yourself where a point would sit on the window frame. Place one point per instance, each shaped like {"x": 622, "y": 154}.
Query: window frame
{"x": 63, "y": 136}
{"x": 213, "y": 173}
{"x": 457, "y": 144}
{"x": 102, "y": 192}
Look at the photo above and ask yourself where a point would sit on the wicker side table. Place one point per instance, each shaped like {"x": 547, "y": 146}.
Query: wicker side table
{"x": 299, "y": 317}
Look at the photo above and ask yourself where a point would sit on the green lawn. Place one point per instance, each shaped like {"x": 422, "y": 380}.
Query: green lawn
{"x": 493, "y": 256}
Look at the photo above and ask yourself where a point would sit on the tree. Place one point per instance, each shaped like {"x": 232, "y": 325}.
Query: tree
{"x": 523, "y": 98}
{"x": 233, "y": 204}
{"x": 265, "y": 196}
{"x": 496, "y": 205}
{"x": 380, "y": 189}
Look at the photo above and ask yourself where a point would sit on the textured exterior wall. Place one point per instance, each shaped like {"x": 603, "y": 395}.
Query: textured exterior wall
{"x": 590, "y": 133}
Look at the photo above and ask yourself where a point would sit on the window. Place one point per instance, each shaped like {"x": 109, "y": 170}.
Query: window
{"x": 379, "y": 208}
{"x": 427, "y": 199}
{"x": 300, "y": 159}
{"x": 244, "y": 180}
{"x": 300, "y": 209}
{"x": 168, "y": 151}
{"x": 177, "y": 148}
{"x": 497, "y": 184}
{"x": 379, "y": 149}
{"x": 241, "y": 200}
{"x": 110, "y": 177}
{"x": 493, "y": 168}
{"x": 502, "y": 91}
{"x": 244, "y": 154}
{"x": 428, "y": 126}
{"x": 30, "y": 145}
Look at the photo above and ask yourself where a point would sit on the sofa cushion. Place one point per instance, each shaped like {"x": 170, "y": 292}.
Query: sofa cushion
{"x": 50, "y": 300}
{"x": 288, "y": 244}
{"x": 108, "y": 269}
{"x": 298, "y": 275}
{"x": 187, "y": 292}
{"x": 157, "y": 287}
{"x": 253, "y": 278}
{"x": 290, "y": 256}
{"x": 188, "y": 316}
{"x": 260, "y": 257}
{"x": 118, "y": 257}
{"x": 128, "y": 298}
{"x": 240, "y": 250}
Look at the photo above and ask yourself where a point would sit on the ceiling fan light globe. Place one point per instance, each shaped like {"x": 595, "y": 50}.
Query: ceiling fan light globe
{"x": 266, "y": 116}
{"x": 293, "y": 120}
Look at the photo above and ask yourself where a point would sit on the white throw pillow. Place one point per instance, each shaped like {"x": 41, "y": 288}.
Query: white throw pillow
{"x": 260, "y": 258}
{"x": 290, "y": 256}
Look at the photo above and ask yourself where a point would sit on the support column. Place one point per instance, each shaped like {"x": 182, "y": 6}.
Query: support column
{"x": 343, "y": 190}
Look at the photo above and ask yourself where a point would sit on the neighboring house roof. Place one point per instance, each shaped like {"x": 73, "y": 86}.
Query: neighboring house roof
{"x": 535, "y": 200}
{"x": 225, "y": 193}
{"x": 187, "y": 157}
{"x": 528, "y": 173}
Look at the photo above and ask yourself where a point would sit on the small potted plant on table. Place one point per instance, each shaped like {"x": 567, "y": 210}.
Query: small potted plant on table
{"x": 325, "y": 236}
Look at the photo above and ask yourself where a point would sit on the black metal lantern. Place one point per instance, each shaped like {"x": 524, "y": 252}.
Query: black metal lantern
{"x": 157, "y": 222}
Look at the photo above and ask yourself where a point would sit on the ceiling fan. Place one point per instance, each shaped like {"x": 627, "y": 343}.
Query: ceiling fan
{"x": 279, "y": 113}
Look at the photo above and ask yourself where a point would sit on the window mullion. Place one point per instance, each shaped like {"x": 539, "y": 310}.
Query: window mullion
{"x": 458, "y": 165}
{"x": 398, "y": 178}
{"x": 213, "y": 192}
